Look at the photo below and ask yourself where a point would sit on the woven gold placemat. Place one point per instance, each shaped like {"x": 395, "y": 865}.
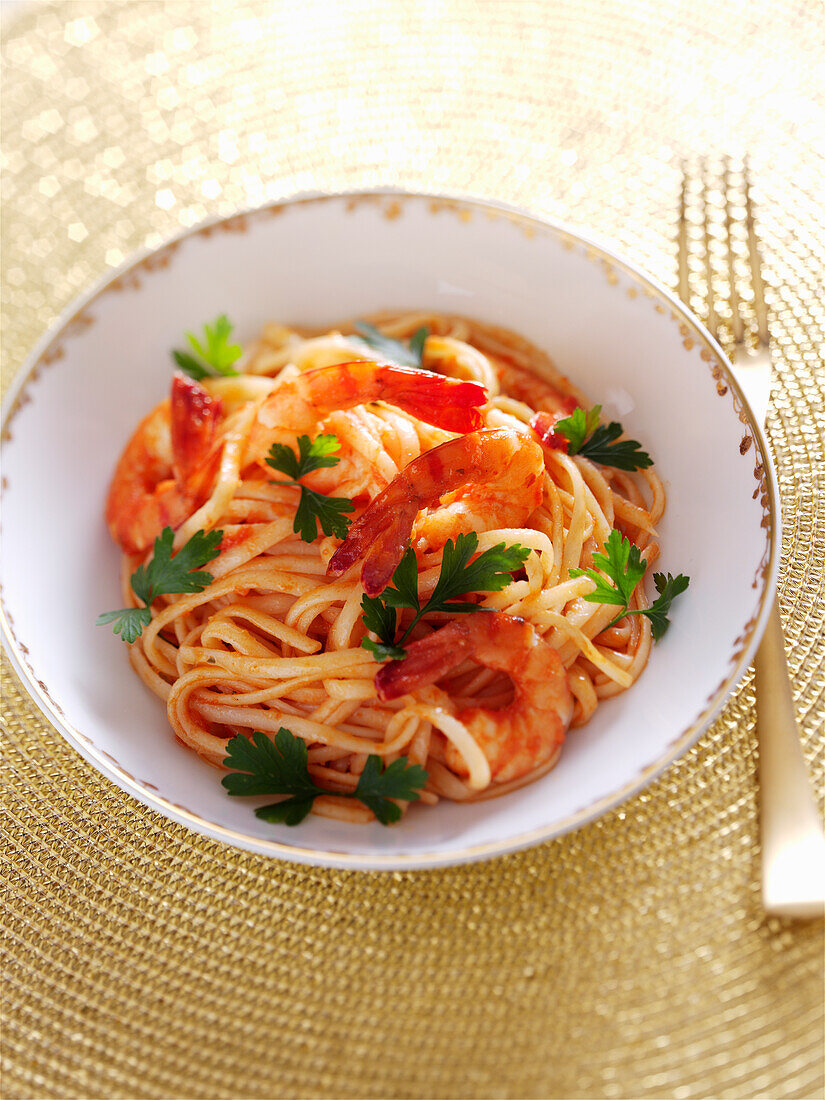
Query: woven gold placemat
{"x": 629, "y": 959}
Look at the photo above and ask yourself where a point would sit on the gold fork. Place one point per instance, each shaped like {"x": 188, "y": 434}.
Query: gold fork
{"x": 793, "y": 844}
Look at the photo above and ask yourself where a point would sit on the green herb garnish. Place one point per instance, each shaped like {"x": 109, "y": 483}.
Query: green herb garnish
{"x": 382, "y": 620}
{"x": 576, "y": 427}
{"x": 586, "y": 437}
{"x": 213, "y": 355}
{"x": 622, "y": 562}
{"x": 668, "y": 588}
{"x": 313, "y": 507}
{"x": 279, "y": 766}
{"x": 407, "y": 355}
{"x": 164, "y": 574}
{"x": 489, "y": 572}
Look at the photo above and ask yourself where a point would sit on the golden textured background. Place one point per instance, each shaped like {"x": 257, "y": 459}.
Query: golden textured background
{"x": 629, "y": 959}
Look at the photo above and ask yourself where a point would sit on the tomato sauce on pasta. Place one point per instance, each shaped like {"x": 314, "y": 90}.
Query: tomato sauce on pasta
{"x": 275, "y": 639}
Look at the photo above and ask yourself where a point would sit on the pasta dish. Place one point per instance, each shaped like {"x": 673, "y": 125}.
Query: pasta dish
{"x": 388, "y": 563}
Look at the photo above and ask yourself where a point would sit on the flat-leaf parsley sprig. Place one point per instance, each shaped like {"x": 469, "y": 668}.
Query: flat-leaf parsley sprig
{"x": 279, "y": 766}
{"x": 622, "y": 562}
{"x": 213, "y": 354}
{"x": 313, "y": 507}
{"x": 598, "y": 442}
{"x": 163, "y": 575}
{"x": 406, "y": 355}
{"x": 489, "y": 572}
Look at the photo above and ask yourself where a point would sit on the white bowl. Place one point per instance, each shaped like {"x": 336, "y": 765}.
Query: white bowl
{"x": 624, "y": 339}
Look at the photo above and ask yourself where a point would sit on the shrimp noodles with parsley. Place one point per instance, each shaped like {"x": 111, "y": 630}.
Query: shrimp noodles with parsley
{"x": 394, "y": 562}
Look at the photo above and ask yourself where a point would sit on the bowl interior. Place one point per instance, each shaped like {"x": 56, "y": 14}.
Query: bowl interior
{"x": 624, "y": 342}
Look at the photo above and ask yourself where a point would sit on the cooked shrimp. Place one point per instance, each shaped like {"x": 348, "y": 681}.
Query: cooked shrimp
{"x": 504, "y": 464}
{"x": 164, "y": 472}
{"x": 506, "y": 501}
{"x": 518, "y": 738}
{"x": 298, "y": 404}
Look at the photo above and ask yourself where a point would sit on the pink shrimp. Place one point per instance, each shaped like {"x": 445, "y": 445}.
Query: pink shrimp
{"x": 165, "y": 470}
{"x": 300, "y": 403}
{"x": 499, "y": 456}
{"x": 518, "y": 738}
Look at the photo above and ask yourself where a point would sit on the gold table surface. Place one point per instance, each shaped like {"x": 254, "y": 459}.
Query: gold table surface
{"x": 630, "y": 958}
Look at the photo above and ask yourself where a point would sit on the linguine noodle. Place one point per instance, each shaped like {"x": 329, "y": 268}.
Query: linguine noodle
{"x": 273, "y": 641}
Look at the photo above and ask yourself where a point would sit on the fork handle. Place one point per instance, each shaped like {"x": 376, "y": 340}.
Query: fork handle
{"x": 793, "y": 844}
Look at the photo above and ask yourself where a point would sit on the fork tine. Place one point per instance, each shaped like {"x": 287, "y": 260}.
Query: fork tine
{"x": 712, "y": 320}
{"x": 684, "y": 283}
{"x": 736, "y": 317}
{"x": 756, "y": 266}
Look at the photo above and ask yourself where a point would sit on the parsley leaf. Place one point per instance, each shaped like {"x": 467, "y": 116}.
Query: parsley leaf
{"x": 376, "y": 788}
{"x": 213, "y": 354}
{"x": 279, "y": 766}
{"x": 417, "y": 341}
{"x": 383, "y": 651}
{"x": 378, "y": 617}
{"x": 328, "y": 511}
{"x": 312, "y": 455}
{"x": 405, "y": 579}
{"x": 381, "y": 619}
{"x": 406, "y": 355}
{"x": 624, "y": 566}
{"x": 489, "y": 572}
{"x": 668, "y": 588}
{"x": 128, "y": 621}
{"x": 626, "y": 454}
{"x": 264, "y": 766}
{"x": 162, "y": 575}
{"x": 313, "y": 507}
{"x": 272, "y": 767}
{"x": 291, "y": 811}
{"x": 586, "y": 437}
{"x": 576, "y": 427}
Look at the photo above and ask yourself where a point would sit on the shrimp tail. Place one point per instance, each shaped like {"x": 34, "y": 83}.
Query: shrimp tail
{"x": 448, "y": 403}
{"x": 195, "y": 414}
{"x": 381, "y": 534}
{"x": 387, "y": 551}
{"x": 427, "y": 660}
